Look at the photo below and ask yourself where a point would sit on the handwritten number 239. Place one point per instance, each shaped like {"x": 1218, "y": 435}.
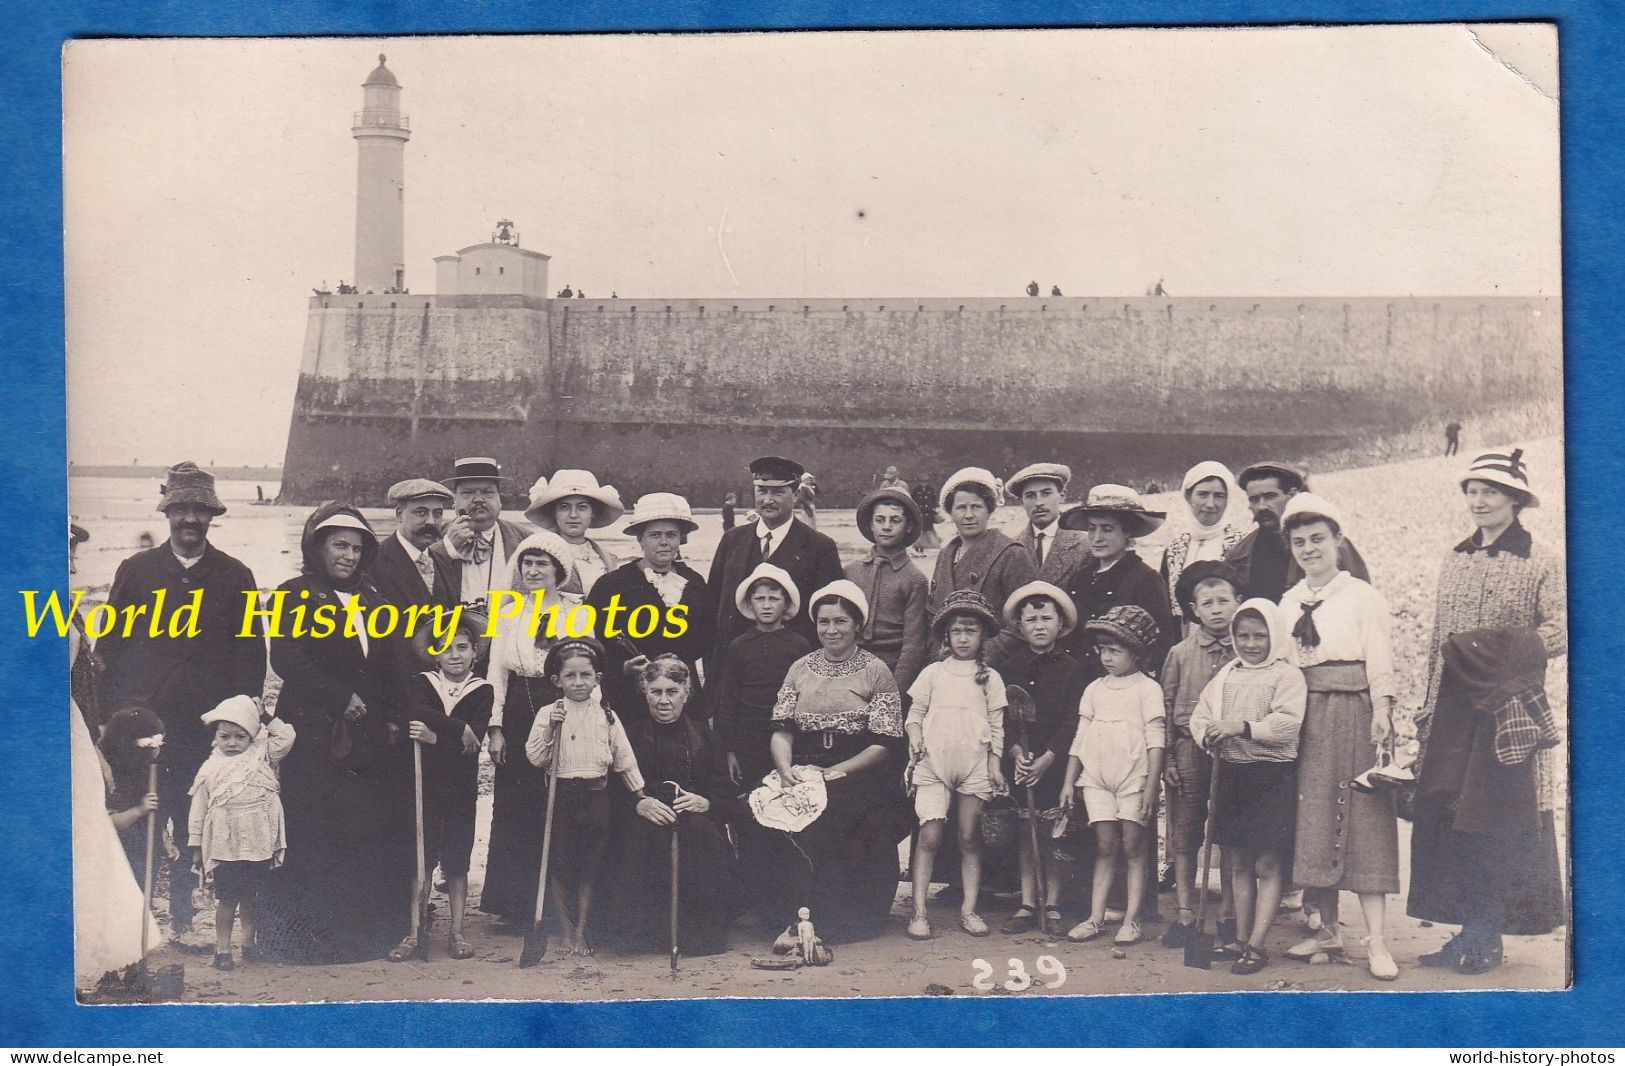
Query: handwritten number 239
{"x": 1018, "y": 979}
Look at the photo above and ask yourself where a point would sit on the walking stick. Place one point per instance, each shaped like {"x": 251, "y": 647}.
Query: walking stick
{"x": 420, "y": 931}
{"x": 536, "y": 939}
{"x": 146, "y": 877}
{"x": 1023, "y": 713}
{"x": 674, "y": 888}
{"x": 1199, "y": 948}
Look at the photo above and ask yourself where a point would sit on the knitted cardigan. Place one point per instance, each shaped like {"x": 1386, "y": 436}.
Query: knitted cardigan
{"x": 1513, "y": 582}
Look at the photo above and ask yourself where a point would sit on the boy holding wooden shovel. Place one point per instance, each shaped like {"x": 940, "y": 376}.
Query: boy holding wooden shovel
{"x": 1041, "y": 614}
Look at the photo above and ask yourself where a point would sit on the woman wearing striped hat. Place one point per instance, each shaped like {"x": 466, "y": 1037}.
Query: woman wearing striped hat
{"x": 1484, "y": 847}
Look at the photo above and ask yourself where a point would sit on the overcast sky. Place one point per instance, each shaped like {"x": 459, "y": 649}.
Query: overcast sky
{"x": 211, "y": 184}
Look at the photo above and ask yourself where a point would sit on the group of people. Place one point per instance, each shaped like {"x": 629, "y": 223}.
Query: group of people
{"x": 813, "y": 715}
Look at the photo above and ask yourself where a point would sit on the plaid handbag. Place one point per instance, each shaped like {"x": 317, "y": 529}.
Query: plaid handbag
{"x": 1523, "y": 724}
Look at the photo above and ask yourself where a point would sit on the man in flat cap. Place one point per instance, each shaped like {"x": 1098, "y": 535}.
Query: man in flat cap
{"x": 478, "y": 538}
{"x": 1262, "y": 560}
{"x": 810, "y": 557}
{"x": 407, "y": 573}
{"x": 178, "y": 678}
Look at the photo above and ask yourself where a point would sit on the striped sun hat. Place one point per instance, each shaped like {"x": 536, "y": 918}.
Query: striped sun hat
{"x": 1505, "y": 471}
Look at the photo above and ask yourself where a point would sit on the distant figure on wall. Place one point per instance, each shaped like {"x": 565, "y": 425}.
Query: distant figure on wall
{"x": 1452, "y": 438}
{"x": 1032, "y": 288}
{"x": 1055, "y": 290}
{"x": 567, "y": 293}
{"x": 729, "y": 502}
{"x": 1158, "y": 290}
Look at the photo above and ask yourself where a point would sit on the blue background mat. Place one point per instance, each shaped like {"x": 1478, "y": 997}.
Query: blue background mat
{"x": 35, "y": 931}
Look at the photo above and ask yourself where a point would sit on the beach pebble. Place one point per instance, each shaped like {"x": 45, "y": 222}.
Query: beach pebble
{"x": 1319, "y": 958}
{"x": 1119, "y": 953}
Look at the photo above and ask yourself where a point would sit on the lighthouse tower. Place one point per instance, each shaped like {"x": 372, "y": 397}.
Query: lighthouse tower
{"x": 381, "y": 133}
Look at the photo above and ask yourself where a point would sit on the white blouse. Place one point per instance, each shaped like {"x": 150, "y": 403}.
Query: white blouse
{"x": 1352, "y": 621}
{"x": 514, "y": 650}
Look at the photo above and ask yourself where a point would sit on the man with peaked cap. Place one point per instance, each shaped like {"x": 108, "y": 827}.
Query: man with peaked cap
{"x": 1041, "y": 491}
{"x": 1261, "y": 560}
{"x": 810, "y": 557}
{"x": 178, "y": 678}
{"x": 407, "y": 572}
{"x": 478, "y": 538}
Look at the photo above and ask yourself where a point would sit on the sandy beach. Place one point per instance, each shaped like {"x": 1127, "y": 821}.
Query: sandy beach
{"x": 1403, "y": 516}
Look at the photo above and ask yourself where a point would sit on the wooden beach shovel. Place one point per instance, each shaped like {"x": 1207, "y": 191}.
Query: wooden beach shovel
{"x": 420, "y": 927}
{"x": 1023, "y": 712}
{"x": 146, "y": 876}
{"x": 536, "y": 938}
{"x": 1199, "y": 945}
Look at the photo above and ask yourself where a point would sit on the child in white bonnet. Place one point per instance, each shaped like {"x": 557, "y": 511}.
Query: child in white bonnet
{"x": 236, "y": 818}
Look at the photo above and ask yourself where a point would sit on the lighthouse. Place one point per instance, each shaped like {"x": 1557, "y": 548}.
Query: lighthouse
{"x": 381, "y": 133}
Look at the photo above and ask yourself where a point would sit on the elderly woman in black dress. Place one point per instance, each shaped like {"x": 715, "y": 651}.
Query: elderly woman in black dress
{"x": 839, "y": 716}
{"x": 689, "y": 795}
{"x": 344, "y": 893}
{"x": 1484, "y": 849}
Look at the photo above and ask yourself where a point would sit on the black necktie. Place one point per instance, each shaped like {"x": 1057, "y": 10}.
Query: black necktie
{"x": 1305, "y": 631}
{"x": 767, "y": 545}
{"x": 1038, "y": 547}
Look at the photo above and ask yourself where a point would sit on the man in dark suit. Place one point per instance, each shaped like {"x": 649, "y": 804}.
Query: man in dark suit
{"x": 810, "y": 557}
{"x": 179, "y": 678}
{"x": 407, "y": 573}
{"x": 478, "y": 541}
{"x": 1261, "y": 559}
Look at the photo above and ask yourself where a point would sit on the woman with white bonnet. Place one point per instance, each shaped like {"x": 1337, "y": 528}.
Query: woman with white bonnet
{"x": 569, "y": 504}
{"x": 519, "y": 691}
{"x": 1208, "y": 488}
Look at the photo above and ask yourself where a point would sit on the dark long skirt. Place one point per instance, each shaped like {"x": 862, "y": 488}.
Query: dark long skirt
{"x": 639, "y": 907}
{"x": 843, "y": 867}
{"x": 1462, "y": 878}
{"x": 344, "y": 893}
{"x": 513, "y": 858}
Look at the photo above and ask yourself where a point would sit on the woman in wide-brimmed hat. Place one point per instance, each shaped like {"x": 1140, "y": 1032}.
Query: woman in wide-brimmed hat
{"x": 570, "y": 503}
{"x": 978, "y": 557}
{"x": 839, "y": 719}
{"x": 344, "y": 893}
{"x": 520, "y": 689}
{"x": 1208, "y": 488}
{"x": 1347, "y": 840}
{"x": 1484, "y": 847}
{"x": 667, "y": 606}
{"x": 1113, "y": 516}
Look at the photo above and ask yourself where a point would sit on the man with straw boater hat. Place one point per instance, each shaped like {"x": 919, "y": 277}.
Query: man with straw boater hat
{"x": 810, "y": 557}
{"x": 478, "y": 538}
{"x": 1041, "y": 491}
{"x": 1261, "y": 560}
{"x": 180, "y": 677}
